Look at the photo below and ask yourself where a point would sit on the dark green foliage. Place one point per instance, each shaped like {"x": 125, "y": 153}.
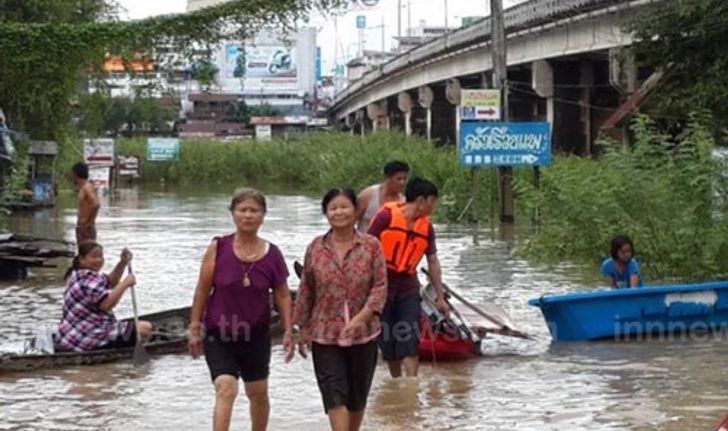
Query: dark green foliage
{"x": 49, "y": 47}
{"x": 99, "y": 115}
{"x": 686, "y": 38}
{"x": 670, "y": 199}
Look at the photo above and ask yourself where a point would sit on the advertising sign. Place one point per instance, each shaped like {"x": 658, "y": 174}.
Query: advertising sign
{"x": 100, "y": 178}
{"x": 99, "y": 152}
{"x": 504, "y": 144}
{"x": 262, "y": 66}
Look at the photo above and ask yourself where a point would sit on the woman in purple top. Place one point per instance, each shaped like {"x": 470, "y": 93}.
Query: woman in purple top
{"x": 232, "y": 304}
{"x": 87, "y": 322}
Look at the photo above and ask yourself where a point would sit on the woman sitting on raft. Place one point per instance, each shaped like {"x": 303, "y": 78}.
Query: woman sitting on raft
{"x": 87, "y": 322}
{"x": 622, "y": 269}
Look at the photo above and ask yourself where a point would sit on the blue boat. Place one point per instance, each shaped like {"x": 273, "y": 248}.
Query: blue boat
{"x": 637, "y": 313}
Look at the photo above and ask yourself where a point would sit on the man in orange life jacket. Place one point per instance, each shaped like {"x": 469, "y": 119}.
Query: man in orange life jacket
{"x": 406, "y": 235}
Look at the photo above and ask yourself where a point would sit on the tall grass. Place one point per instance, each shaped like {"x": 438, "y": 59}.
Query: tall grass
{"x": 313, "y": 164}
{"x": 669, "y": 195}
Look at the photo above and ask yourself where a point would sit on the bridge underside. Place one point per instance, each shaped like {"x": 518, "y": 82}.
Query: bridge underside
{"x": 573, "y": 74}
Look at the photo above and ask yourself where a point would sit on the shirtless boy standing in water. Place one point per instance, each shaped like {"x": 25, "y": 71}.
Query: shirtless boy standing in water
{"x": 88, "y": 205}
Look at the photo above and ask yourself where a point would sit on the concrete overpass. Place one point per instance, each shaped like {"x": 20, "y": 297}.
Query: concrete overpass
{"x": 566, "y": 66}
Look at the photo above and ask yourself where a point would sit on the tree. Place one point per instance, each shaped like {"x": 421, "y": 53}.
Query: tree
{"x": 49, "y": 47}
{"x": 240, "y": 112}
{"x": 57, "y": 11}
{"x": 686, "y": 38}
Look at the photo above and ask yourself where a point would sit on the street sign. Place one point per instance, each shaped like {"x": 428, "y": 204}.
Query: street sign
{"x": 470, "y": 20}
{"x": 504, "y": 144}
{"x": 162, "y": 149}
{"x": 361, "y": 22}
{"x": 480, "y": 105}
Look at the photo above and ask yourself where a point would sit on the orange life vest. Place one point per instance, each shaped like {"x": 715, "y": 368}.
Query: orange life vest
{"x": 403, "y": 248}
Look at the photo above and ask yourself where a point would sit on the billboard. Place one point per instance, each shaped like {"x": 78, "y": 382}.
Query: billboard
{"x": 262, "y": 66}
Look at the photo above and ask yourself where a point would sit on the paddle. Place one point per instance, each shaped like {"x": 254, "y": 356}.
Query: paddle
{"x": 503, "y": 328}
{"x": 140, "y": 353}
{"x": 297, "y": 268}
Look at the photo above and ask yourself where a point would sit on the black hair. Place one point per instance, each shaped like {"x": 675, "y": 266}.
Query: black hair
{"x": 395, "y": 166}
{"x": 618, "y": 242}
{"x": 245, "y": 193}
{"x": 84, "y": 249}
{"x": 335, "y": 192}
{"x": 80, "y": 170}
{"x": 417, "y": 187}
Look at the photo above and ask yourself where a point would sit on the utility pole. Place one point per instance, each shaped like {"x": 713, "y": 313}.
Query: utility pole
{"x": 447, "y": 27}
{"x": 409, "y": 18}
{"x": 399, "y": 18}
{"x": 500, "y": 82}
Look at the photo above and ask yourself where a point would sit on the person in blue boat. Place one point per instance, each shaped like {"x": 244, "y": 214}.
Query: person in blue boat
{"x": 622, "y": 268}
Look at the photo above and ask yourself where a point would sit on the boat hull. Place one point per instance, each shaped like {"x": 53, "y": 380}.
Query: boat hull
{"x": 172, "y": 338}
{"x": 623, "y": 314}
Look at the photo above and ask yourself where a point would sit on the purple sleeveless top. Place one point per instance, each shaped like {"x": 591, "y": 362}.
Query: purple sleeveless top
{"x": 232, "y": 308}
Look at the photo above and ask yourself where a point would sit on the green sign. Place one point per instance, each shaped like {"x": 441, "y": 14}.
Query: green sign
{"x": 162, "y": 149}
{"x": 470, "y": 20}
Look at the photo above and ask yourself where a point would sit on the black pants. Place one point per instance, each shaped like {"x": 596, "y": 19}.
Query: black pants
{"x": 344, "y": 374}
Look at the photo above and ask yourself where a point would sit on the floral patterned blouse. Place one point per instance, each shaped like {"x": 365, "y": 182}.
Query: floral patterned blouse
{"x": 332, "y": 292}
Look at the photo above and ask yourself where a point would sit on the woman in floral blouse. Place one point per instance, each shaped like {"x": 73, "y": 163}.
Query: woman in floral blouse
{"x": 342, "y": 292}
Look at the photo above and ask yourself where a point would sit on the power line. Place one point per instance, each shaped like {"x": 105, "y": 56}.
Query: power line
{"x": 591, "y": 106}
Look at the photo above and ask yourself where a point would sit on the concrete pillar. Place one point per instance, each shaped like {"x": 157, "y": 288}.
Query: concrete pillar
{"x": 425, "y": 97}
{"x": 404, "y": 103}
{"x": 360, "y": 116}
{"x": 442, "y": 117}
{"x": 623, "y": 78}
{"x": 452, "y": 94}
{"x": 543, "y": 84}
{"x": 377, "y": 113}
{"x": 622, "y": 70}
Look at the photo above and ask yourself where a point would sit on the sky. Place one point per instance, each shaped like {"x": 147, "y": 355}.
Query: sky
{"x": 432, "y": 12}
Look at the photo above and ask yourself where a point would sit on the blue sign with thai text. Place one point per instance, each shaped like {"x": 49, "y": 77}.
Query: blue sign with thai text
{"x": 504, "y": 144}
{"x": 361, "y": 22}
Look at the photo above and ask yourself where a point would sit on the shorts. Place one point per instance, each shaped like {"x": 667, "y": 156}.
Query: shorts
{"x": 85, "y": 233}
{"x": 126, "y": 338}
{"x": 400, "y": 321}
{"x": 344, "y": 374}
{"x": 247, "y": 358}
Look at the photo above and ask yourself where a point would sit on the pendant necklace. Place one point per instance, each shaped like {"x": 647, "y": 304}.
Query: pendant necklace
{"x": 246, "y": 278}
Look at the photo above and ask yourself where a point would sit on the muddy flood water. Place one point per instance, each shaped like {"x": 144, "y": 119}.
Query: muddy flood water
{"x": 517, "y": 385}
